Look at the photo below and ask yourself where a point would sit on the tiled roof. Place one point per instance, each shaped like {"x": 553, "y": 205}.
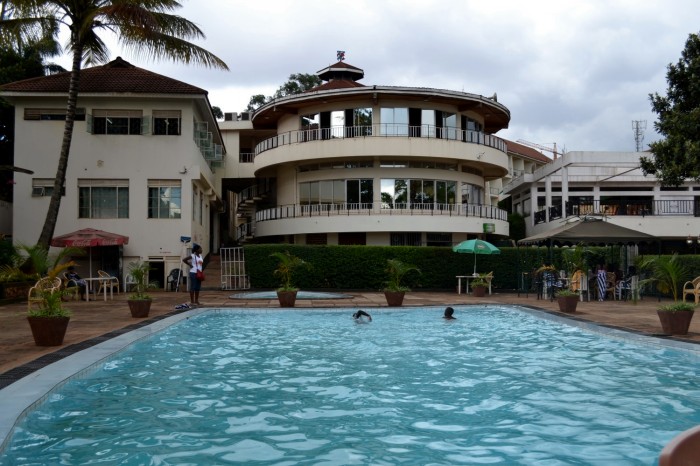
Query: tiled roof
{"x": 526, "y": 151}
{"x": 336, "y": 84}
{"x": 117, "y": 76}
{"x": 342, "y": 64}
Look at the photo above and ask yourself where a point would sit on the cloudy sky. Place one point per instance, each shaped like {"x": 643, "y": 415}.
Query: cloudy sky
{"x": 575, "y": 73}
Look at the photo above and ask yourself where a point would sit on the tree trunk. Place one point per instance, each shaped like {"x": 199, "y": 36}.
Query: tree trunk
{"x": 60, "y": 181}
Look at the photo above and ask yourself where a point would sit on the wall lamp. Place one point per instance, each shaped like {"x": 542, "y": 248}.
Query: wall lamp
{"x": 691, "y": 239}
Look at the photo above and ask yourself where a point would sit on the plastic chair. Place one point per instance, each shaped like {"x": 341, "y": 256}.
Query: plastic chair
{"x": 174, "y": 279}
{"x": 128, "y": 282}
{"x": 109, "y": 282}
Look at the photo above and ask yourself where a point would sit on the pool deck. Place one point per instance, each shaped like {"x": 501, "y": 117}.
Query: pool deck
{"x": 91, "y": 321}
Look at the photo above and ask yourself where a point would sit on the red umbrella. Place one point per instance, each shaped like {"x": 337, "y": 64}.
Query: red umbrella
{"x": 89, "y": 238}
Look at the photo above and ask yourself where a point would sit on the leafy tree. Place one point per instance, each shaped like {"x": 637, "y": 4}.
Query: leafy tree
{"x": 297, "y": 83}
{"x": 218, "y": 114}
{"x": 144, "y": 26}
{"x": 677, "y": 157}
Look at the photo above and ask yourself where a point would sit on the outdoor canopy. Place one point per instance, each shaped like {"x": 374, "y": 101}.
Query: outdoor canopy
{"x": 589, "y": 231}
{"x": 89, "y": 238}
{"x": 476, "y": 246}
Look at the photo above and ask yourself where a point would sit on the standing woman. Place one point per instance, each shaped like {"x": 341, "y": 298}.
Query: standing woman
{"x": 602, "y": 276}
{"x": 196, "y": 263}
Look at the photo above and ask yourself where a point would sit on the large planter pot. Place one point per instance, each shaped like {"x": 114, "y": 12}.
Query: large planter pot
{"x": 567, "y": 303}
{"x": 675, "y": 322}
{"x": 479, "y": 291}
{"x": 394, "y": 298}
{"x": 287, "y": 298}
{"x": 48, "y": 331}
{"x": 139, "y": 307}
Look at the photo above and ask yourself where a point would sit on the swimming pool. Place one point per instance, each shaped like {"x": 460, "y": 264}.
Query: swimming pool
{"x": 300, "y": 295}
{"x": 497, "y": 385}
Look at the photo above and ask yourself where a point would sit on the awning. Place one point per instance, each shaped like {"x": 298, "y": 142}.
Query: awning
{"x": 589, "y": 231}
{"x": 89, "y": 237}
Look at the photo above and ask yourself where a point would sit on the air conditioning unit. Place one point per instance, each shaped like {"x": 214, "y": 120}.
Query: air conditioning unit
{"x": 230, "y": 116}
{"x": 245, "y": 115}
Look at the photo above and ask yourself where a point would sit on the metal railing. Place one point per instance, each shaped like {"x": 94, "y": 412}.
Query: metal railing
{"x": 383, "y": 131}
{"x": 625, "y": 207}
{"x": 383, "y": 209}
{"x": 246, "y": 157}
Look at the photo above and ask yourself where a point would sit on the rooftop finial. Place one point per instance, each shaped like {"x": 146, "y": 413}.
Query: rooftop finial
{"x": 341, "y": 55}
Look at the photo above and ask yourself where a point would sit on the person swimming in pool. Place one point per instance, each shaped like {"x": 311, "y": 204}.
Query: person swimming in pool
{"x": 448, "y": 314}
{"x": 360, "y": 315}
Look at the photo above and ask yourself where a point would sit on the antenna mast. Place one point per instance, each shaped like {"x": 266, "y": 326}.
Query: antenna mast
{"x": 638, "y": 127}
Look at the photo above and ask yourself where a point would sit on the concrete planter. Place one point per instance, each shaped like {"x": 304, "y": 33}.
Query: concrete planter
{"x": 675, "y": 322}
{"x": 139, "y": 307}
{"x": 394, "y": 298}
{"x": 287, "y": 298}
{"x": 48, "y": 331}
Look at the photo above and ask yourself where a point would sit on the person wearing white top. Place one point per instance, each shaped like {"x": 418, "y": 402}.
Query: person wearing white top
{"x": 196, "y": 264}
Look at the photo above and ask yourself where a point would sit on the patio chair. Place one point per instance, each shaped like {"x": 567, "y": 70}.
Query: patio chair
{"x": 128, "y": 282}
{"x": 109, "y": 281}
{"x": 692, "y": 288}
{"x": 36, "y": 293}
{"x": 175, "y": 277}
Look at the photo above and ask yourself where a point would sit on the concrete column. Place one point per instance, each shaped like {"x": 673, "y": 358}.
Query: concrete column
{"x": 547, "y": 196}
{"x": 564, "y": 189}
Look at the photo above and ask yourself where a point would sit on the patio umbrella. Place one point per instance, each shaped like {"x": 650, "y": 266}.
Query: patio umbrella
{"x": 476, "y": 246}
{"x": 89, "y": 238}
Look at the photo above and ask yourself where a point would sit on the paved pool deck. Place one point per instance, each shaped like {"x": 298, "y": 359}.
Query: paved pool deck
{"x": 99, "y": 320}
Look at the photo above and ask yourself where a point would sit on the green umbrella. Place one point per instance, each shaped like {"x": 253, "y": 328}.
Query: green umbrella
{"x": 476, "y": 246}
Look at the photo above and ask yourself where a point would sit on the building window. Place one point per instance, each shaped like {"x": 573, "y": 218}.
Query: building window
{"x": 44, "y": 187}
{"x": 317, "y": 238}
{"x": 116, "y": 122}
{"x": 406, "y": 239}
{"x": 394, "y": 121}
{"x": 438, "y": 239}
{"x": 354, "y": 193}
{"x": 103, "y": 198}
{"x": 417, "y": 193}
{"x": 52, "y": 114}
{"x": 166, "y": 122}
{"x": 352, "y": 239}
{"x": 164, "y": 199}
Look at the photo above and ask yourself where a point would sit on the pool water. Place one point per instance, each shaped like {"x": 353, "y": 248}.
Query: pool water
{"x": 495, "y": 386}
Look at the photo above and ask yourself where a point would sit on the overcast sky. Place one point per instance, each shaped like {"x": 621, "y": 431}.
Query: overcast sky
{"x": 572, "y": 72}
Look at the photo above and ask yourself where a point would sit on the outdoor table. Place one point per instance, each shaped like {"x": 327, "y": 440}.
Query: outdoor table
{"x": 467, "y": 278}
{"x": 97, "y": 279}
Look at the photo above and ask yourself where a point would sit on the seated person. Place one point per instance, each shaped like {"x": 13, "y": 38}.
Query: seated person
{"x": 448, "y": 314}
{"x": 360, "y": 315}
{"x": 75, "y": 280}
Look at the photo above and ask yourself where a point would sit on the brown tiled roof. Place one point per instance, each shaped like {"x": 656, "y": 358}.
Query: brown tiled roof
{"x": 526, "y": 151}
{"x": 336, "y": 84}
{"x": 117, "y": 76}
{"x": 342, "y": 64}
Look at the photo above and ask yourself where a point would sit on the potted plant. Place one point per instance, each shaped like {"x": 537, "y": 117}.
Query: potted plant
{"x": 675, "y": 318}
{"x": 49, "y": 321}
{"x": 287, "y": 263}
{"x": 394, "y": 291}
{"x": 479, "y": 286}
{"x": 567, "y": 300}
{"x": 668, "y": 273}
{"x": 139, "y": 301}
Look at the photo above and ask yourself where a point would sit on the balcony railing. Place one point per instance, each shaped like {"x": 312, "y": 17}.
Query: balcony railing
{"x": 627, "y": 207}
{"x": 381, "y": 209}
{"x": 382, "y": 131}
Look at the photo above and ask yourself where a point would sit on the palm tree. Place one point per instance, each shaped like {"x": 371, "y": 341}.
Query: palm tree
{"x": 145, "y": 27}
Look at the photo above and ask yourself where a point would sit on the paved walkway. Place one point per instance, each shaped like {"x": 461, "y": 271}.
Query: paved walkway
{"x": 19, "y": 355}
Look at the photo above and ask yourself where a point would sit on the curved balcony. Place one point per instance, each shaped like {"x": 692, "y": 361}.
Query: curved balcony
{"x": 382, "y": 131}
{"x": 376, "y": 217}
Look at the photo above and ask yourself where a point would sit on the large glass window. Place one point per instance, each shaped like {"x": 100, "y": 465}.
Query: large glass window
{"x": 394, "y": 121}
{"x": 103, "y": 198}
{"x": 417, "y": 193}
{"x": 354, "y": 193}
{"x": 166, "y": 122}
{"x": 472, "y": 194}
{"x": 164, "y": 199}
{"x": 427, "y": 119}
